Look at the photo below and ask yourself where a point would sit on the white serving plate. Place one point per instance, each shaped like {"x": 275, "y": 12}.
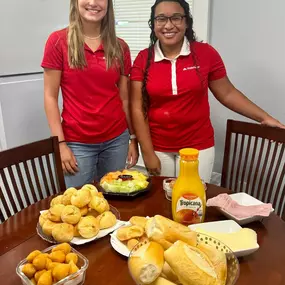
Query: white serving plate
{"x": 228, "y": 226}
{"x": 244, "y": 199}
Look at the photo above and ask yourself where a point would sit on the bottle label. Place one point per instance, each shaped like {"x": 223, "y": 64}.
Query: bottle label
{"x": 189, "y": 209}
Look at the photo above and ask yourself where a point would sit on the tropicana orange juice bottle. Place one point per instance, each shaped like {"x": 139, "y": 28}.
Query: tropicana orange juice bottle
{"x": 188, "y": 195}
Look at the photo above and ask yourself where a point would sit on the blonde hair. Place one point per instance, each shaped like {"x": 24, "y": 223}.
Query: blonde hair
{"x": 112, "y": 47}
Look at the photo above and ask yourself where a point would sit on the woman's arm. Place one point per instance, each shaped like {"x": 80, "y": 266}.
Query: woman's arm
{"x": 233, "y": 99}
{"x": 124, "y": 87}
{"x": 51, "y": 90}
{"x": 142, "y": 131}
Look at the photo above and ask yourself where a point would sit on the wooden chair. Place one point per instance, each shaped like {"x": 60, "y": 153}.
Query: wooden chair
{"x": 28, "y": 174}
{"x": 254, "y": 162}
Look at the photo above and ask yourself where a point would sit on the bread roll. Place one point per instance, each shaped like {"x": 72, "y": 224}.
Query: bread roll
{"x": 146, "y": 263}
{"x": 138, "y": 221}
{"x": 162, "y": 281}
{"x": 63, "y": 232}
{"x": 129, "y": 232}
{"x": 218, "y": 259}
{"x": 88, "y": 227}
{"x": 93, "y": 190}
{"x": 81, "y": 198}
{"x": 56, "y": 200}
{"x": 99, "y": 204}
{"x": 84, "y": 211}
{"x": 166, "y": 232}
{"x": 132, "y": 243}
{"x": 70, "y": 215}
{"x": 54, "y": 213}
{"x": 106, "y": 220}
{"x": 70, "y": 191}
{"x": 190, "y": 264}
{"x": 43, "y": 217}
{"x": 48, "y": 227}
{"x": 168, "y": 273}
{"x": 66, "y": 199}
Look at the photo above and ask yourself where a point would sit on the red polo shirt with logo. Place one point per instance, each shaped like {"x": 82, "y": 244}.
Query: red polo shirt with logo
{"x": 92, "y": 107}
{"x": 179, "y": 114}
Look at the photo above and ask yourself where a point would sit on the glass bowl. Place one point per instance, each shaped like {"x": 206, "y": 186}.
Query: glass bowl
{"x": 76, "y": 278}
{"x": 232, "y": 262}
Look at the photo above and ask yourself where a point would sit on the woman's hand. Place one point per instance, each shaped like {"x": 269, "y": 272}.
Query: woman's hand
{"x": 133, "y": 154}
{"x": 152, "y": 163}
{"x": 271, "y": 122}
{"x": 68, "y": 160}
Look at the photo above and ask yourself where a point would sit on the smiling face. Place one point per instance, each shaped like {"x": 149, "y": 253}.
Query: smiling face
{"x": 92, "y": 11}
{"x": 169, "y": 33}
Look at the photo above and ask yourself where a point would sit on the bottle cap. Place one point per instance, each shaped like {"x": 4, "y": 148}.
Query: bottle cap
{"x": 189, "y": 153}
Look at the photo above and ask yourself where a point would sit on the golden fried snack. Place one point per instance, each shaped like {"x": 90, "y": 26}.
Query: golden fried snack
{"x": 60, "y": 271}
{"x": 106, "y": 220}
{"x": 81, "y": 198}
{"x": 93, "y": 213}
{"x": 66, "y": 199}
{"x": 138, "y": 221}
{"x": 32, "y": 255}
{"x": 65, "y": 247}
{"x": 73, "y": 267}
{"x": 63, "y": 232}
{"x": 88, "y": 227}
{"x": 57, "y": 256}
{"x": 70, "y": 191}
{"x": 56, "y": 200}
{"x": 52, "y": 265}
{"x": 45, "y": 279}
{"x": 70, "y": 215}
{"x": 99, "y": 204}
{"x": 40, "y": 261}
{"x": 43, "y": 217}
{"x": 39, "y": 274}
{"x": 48, "y": 227}
{"x": 91, "y": 188}
{"x": 29, "y": 270}
{"x": 54, "y": 213}
{"x": 84, "y": 211}
{"x": 48, "y": 263}
{"x": 71, "y": 257}
{"x": 34, "y": 282}
{"x": 129, "y": 232}
{"x": 132, "y": 243}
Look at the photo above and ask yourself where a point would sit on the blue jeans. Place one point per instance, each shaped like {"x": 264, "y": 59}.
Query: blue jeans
{"x": 95, "y": 160}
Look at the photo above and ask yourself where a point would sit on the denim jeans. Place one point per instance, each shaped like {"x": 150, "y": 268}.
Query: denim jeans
{"x": 95, "y": 160}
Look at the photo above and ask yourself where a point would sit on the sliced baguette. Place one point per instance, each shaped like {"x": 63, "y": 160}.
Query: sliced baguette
{"x": 166, "y": 232}
{"x": 162, "y": 281}
{"x": 129, "y": 232}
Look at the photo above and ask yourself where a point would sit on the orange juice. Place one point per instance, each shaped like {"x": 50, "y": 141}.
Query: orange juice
{"x": 188, "y": 195}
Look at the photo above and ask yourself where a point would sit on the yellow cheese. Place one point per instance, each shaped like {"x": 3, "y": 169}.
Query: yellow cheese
{"x": 241, "y": 240}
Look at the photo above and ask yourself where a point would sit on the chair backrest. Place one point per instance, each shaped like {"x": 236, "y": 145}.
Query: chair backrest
{"x": 254, "y": 162}
{"x": 28, "y": 174}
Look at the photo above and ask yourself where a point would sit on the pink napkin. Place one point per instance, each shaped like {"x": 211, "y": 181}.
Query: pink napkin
{"x": 225, "y": 202}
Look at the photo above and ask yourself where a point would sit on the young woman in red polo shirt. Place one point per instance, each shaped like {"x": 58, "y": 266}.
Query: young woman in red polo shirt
{"x": 91, "y": 66}
{"x": 169, "y": 89}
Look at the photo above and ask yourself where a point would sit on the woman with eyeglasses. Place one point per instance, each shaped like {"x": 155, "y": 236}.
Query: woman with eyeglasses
{"x": 91, "y": 67}
{"x": 169, "y": 92}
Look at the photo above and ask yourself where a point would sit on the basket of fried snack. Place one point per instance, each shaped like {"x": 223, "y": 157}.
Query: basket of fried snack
{"x": 58, "y": 265}
{"x": 78, "y": 216}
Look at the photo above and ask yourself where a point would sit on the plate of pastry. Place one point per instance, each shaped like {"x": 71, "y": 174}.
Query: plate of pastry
{"x": 78, "y": 217}
{"x": 125, "y": 183}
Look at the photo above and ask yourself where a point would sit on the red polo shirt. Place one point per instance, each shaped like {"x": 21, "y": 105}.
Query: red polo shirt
{"x": 92, "y": 107}
{"x": 179, "y": 114}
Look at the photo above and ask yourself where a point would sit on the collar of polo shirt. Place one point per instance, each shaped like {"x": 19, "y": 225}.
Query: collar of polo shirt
{"x": 158, "y": 54}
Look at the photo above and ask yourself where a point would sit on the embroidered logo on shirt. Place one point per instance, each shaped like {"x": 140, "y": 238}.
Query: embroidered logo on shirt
{"x": 190, "y": 67}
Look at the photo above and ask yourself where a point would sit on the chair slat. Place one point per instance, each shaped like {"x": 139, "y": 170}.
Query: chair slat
{"x": 36, "y": 176}
{"x": 53, "y": 190}
{"x": 44, "y": 176}
{"x": 281, "y": 193}
{"x": 32, "y": 189}
{"x": 233, "y": 161}
{"x": 23, "y": 185}
{"x": 245, "y": 166}
{"x": 239, "y": 163}
{"x": 5, "y": 205}
{"x": 15, "y": 186}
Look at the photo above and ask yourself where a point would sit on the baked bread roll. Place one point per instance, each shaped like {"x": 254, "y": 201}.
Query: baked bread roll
{"x": 66, "y": 199}
{"x": 48, "y": 227}
{"x": 146, "y": 263}
{"x": 138, "y": 221}
{"x": 129, "y": 232}
{"x": 162, "y": 281}
{"x": 70, "y": 215}
{"x": 93, "y": 190}
{"x": 43, "y": 217}
{"x": 218, "y": 259}
{"x": 93, "y": 213}
{"x": 70, "y": 191}
{"x": 63, "y": 232}
{"x": 81, "y": 198}
{"x": 54, "y": 213}
{"x": 106, "y": 220}
{"x": 75, "y": 231}
{"x": 88, "y": 227}
{"x": 56, "y": 200}
{"x": 84, "y": 211}
{"x": 166, "y": 232}
{"x": 168, "y": 273}
{"x": 190, "y": 264}
{"x": 132, "y": 243}
{"x": 99, "y": 204}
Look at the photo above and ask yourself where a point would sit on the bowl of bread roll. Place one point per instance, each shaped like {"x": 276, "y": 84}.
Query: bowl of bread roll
{"x": 77, "y": 216}
{"x": 173, "y": 254}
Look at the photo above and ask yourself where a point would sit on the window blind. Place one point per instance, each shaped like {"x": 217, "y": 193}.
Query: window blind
{"x": 132, "y": 22}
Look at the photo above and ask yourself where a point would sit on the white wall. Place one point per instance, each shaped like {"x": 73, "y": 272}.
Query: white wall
{"x": 250, "y": 37}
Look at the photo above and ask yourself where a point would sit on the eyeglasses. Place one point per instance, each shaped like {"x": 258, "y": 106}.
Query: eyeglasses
{"x": 176, "y": 20}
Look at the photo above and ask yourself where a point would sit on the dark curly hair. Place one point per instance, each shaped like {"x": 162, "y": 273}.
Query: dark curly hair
{"x": 189, "y": 33}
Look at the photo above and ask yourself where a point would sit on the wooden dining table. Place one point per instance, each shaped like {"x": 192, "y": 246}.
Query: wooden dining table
{"x": 18, "y": 238}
